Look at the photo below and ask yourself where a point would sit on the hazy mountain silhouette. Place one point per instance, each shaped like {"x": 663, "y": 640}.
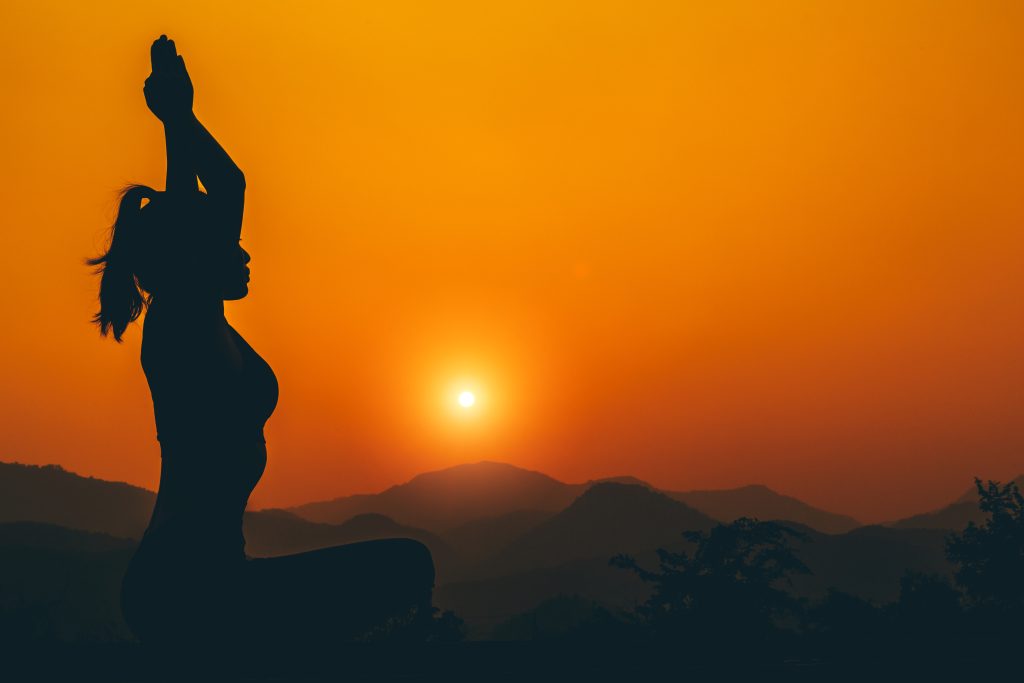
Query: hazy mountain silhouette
{"x": 487, "y": 602}
{"x": 868, "y": 561}
{"x": 954, "y": 516}
{"x": 971, "y": 494}
{"x": 573, "y": 522}
{"x": 447, "y": 498}
{"x": 53, "y": 495}
{"x": 607, "y": 518}
{"x": 50, "y": 495}
{"x": 479, "y": 539}
{"x": 761, "y": 502}
{"x": 42, "y": 536}
{"x": 490, "y": 567}
{"x": 625, "y": 479}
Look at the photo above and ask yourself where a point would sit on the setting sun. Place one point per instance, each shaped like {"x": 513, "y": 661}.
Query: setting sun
{"x": 467, "y": 399}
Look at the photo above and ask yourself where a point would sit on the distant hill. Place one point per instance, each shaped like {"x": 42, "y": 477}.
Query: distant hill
{"x": 479, "y": 539}
{"x": 764, "y": 504}
{"x": 443, "y": 500}
{"x": 971, "y": 494}
{"x": 48, "y": 504}
{"x": 485, "y": 603}
{"x": 954, "y": 516}
{"x": 869, "y": 561}
{"x": 607, "y": 519}
{"x": 448, "y": 498}
{"x": 53, "y": 495}
{"x": 440, "y": 501}
{"x": 496, "y": 556}
{"x": 41, "y": 536}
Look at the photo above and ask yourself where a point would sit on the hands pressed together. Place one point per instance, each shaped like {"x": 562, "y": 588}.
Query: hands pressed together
{"x": 168, "y": 89}
{"x": 193, "y": 155}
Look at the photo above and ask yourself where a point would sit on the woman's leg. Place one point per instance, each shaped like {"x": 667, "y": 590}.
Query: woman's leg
{"x": 340, "y": 592}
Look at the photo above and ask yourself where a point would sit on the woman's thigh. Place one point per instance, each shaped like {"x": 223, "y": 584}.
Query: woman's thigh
{"x": 340, "y": 588}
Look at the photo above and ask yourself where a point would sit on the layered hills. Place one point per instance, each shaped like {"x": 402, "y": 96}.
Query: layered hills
{"x": 445, "y": 499}
{"x": 504, "y": 539}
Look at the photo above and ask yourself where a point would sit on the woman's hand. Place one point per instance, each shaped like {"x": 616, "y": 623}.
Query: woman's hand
{"x": 168, "y": 89}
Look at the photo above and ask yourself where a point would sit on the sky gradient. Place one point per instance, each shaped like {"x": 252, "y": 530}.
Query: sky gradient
{"x": 705, "y": 244}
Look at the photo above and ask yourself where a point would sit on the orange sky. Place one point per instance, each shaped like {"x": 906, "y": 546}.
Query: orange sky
{"x": 706, "y": 244}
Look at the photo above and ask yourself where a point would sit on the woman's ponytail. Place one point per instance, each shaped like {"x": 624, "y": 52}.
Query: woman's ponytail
{"x": 122, "y": 299}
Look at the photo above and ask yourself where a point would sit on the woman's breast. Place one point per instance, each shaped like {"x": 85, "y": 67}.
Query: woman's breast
{"x": 261, "y": 389}
{"x": 258, "y": 383}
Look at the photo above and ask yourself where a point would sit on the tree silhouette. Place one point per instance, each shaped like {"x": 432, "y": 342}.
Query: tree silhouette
{"x": 729, "y": 588}
{"x": 928, "y": 615}
{"x": 990, "y": 557}
{"x": 989, "y": 561}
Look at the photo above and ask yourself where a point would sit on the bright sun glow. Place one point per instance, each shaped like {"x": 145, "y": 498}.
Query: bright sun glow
{"x": 467, "y": 399}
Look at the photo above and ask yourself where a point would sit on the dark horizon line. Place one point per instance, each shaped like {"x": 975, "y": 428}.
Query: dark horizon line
{"x": 522, "y": 469}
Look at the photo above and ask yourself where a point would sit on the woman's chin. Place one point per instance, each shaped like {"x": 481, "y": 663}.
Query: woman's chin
{"x": 237, "y": 293}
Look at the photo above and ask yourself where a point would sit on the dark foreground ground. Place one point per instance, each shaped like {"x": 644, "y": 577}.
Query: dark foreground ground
{"x": 483, "y": 661}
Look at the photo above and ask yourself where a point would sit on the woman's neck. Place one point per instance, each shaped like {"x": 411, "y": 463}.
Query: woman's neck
{"x": 189, "y": 305}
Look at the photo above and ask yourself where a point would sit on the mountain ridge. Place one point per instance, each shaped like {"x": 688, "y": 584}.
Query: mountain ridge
{"x": 85, "y": 503}
{"x": 954, "y": 516}
{"x": 607, "y": 519}
{"x": 486, "y": 565}
{"x": 413, "y": 502}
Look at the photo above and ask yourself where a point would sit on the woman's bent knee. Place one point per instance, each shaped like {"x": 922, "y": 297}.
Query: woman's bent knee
{"x": 413, "y": 561}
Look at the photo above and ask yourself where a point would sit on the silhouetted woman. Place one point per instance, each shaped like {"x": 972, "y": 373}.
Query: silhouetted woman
{"x": 177, "y": 254}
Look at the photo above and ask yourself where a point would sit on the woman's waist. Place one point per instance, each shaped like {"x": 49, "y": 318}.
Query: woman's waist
{"x": 195, "y": 535}
{"x": 216, "y": 463}
{"x": 226, "y": 438}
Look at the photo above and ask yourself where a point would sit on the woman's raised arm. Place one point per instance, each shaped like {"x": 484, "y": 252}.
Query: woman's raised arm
{"x": 191, "y": 149}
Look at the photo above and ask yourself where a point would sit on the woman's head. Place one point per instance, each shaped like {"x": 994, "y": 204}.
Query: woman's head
{"x": 163, "y": 245}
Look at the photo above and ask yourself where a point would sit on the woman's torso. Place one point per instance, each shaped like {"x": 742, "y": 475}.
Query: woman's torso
{"x": 212, "y": 394}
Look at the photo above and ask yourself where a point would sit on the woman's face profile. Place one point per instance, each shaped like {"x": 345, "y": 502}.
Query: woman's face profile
{"x": 183, "y": 253}
{"x": 234, "y": 273}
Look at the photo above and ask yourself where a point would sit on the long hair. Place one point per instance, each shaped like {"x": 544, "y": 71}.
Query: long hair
{"x": 122, "y": 297}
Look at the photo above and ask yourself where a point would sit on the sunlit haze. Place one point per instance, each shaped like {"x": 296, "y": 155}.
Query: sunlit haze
{"x": 705, "y": 244}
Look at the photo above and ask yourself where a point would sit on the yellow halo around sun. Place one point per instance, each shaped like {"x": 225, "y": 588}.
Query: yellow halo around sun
{"x": 467, "y": 399}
